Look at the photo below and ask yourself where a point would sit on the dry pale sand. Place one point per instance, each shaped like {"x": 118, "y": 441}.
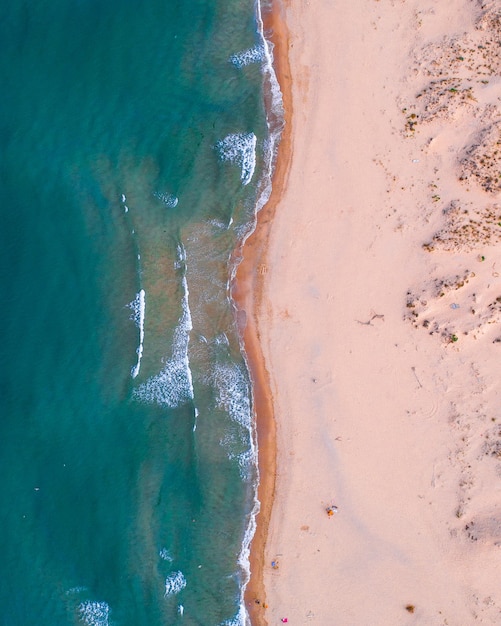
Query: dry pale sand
{"x": 379, "y": 319}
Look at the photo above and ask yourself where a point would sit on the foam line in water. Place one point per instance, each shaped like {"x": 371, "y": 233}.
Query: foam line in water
{"x": 138, "y": 315}
{"x": 256, "y": 54}
{"x": 173, "y": 385}
{"x": 174, "y": 583}
{"x": 239, "y": 148}
{"x": 94, "y": 613}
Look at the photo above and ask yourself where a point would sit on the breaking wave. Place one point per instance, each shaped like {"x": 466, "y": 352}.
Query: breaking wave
{"x": 174, "y": 583}
{"x": 240, "y": 149}
{"x": 137, "y": 315}
{"x": 173, "y": 385}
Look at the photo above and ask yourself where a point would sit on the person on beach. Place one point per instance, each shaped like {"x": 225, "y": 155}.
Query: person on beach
{"x": 331, "y": 510}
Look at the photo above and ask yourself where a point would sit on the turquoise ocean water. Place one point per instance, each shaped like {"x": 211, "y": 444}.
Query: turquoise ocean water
{"x": 134, "y": 149}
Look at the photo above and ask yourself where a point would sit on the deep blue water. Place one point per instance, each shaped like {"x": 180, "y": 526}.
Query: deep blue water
{"x": 133, "y": 149}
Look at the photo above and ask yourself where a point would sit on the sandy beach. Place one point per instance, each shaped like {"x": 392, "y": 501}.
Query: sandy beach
{"x": 376, "y": 297}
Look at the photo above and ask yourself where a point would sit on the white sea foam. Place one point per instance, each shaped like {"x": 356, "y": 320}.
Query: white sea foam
{"x": 243, "y": 558}
{"x": 246, "y": 462}
{"x": 124, "y": 199}
{"x": 275, "y": 113}
{"x": 94, "y": 613}
{"x": 238, "y": 620}
{"x": 138, "y": 315}
{"x": 180, "y": 261}
{"x": 240, "y": 149}
{"x": 256, "y": 54}
{"x": 174, "y": 583}
{"x": 169, "y": 199}
{"x": 165, "y": 555}
{"x": 276, "y": 105}
{"x": 233, "y": 392}
{"x": 137, "y": 308}
{"x": 173, "y": 385}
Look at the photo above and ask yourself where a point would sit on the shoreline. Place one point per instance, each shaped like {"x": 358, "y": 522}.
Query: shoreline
{"x": 247, "y": 295}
